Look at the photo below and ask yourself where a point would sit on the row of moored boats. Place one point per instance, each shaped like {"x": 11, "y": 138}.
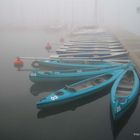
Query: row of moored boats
{"x": 93, "y": 60}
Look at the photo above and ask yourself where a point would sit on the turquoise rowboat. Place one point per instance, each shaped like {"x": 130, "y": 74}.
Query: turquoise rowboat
{"x": 79, "y": 90}
{"x": 73, "y": 64}
{"x": 124, "y": 92}
{"x": 69, "y": 75}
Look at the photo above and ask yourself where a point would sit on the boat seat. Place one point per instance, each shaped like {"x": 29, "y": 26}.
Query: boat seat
{"x": 122, "y": 93}
{"x": 125, "y": 87}
{"x": 79, "y": 71}
{"x": 99, "y": 80}
{"x": 93, "y": 83}
{"x": 70, "y": 88}
{"x": 83, "y": 86}
{"x": 125, "y": 82}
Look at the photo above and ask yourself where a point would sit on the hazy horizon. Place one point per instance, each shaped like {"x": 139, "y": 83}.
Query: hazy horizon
{"x": 70, "y": 13}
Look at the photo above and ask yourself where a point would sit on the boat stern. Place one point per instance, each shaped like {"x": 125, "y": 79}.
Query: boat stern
{"x": 118, "y": 107}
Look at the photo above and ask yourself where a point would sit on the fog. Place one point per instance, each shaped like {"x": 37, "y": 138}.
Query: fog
{"x": 124, "y": 14}
{"x": 46, "y": 12}
{"x": 70, "y": 13}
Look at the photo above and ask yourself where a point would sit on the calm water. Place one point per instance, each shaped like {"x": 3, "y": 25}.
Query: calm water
{"x": 86, "y": 119}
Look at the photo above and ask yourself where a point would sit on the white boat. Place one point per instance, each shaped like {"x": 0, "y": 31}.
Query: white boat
{"x": 91, "y": 33}
{"x": 91, "y": 43}
{"x": 91, "y": 56}
{"x": 92, "y": 46}
{"x": 65, "y": 51}
{"x": 94, "y": 38}
{"x": 92, "y": 49}
{"x": 88, "y": 60}
{"x": 96, "y": 41}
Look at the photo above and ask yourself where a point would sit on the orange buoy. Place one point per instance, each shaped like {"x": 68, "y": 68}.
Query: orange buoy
{"x": 18, "y": 62}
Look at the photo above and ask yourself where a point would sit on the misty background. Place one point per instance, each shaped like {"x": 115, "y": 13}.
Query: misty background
{"x": 43, "y": 14}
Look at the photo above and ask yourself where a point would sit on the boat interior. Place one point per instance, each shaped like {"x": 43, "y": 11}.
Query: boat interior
{"x": 83, "y": 62}
{"x": 74, "y": 70}
{"x": 88, "y": 83}
{"x": 125, "y": 85}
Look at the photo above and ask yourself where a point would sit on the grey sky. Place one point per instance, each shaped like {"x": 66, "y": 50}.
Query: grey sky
{"x": 44, "y": 13}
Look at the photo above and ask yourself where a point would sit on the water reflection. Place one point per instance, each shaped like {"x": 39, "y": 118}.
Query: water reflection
{"x": 71, "y": 105}
{"x": 18, "y": 68}
{"x": 39, "y": 88}
{"x": 117, "y": 126}
{"x": 21, "y": 68}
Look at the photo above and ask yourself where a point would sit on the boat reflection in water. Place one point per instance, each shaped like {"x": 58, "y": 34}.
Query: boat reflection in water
{"x": 47, "y": 87}
{"x": 71, "y": 105}
{"x": 118, "y": 125}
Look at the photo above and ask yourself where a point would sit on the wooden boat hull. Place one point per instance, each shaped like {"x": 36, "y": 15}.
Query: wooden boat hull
{"x": 67, "y": 95}
{"x": 120, "y": 104}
